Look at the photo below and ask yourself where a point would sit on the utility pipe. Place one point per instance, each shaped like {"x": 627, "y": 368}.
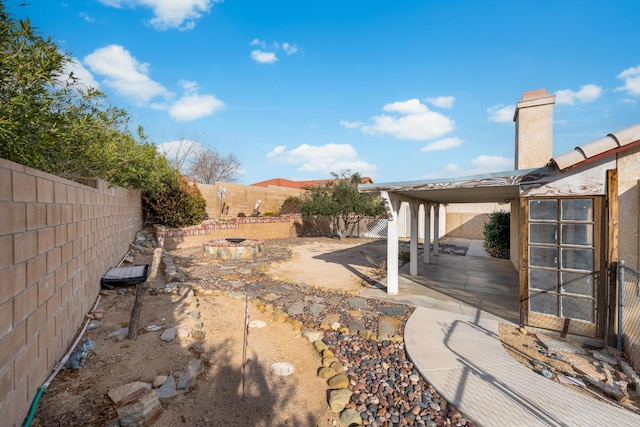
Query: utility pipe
{"x": 58, "y": 368}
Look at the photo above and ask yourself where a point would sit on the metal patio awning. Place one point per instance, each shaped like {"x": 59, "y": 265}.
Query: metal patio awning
{"x": 493, "y": 187}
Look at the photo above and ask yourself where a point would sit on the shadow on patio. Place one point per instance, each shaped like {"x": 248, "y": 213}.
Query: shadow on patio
{"x": 459, "y": 284}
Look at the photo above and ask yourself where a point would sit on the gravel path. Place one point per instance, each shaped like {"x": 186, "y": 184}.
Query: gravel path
{"x": 363, "y": 337}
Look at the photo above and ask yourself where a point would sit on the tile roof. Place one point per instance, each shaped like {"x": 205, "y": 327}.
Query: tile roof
{"x": 612, "y": 143}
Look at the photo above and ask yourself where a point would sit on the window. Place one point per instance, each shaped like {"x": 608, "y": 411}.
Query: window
{"x": 561, "y": 257}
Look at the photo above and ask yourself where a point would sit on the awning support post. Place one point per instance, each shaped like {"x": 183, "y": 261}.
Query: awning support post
{"x": 391, "y": 203}
{"x": 413, "y": 245}
{"x": 427, "y": 233}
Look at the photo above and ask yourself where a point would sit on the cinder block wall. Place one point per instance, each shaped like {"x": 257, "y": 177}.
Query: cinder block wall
{"x": 467, "y": 220}
{"x": 57, "y": 239}
{"x": 243, "y": 198}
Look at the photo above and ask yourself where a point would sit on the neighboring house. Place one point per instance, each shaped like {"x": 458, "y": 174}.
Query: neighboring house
{"x": 572, "y": 217}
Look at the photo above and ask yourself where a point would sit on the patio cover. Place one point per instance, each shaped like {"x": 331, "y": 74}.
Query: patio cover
{"x": 494, "y": 187}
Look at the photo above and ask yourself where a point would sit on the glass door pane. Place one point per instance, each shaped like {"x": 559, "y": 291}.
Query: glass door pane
{"x": 562, "y": 257}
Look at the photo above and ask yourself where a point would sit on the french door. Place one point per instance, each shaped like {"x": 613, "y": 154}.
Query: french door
{"x": 563, "y": 263}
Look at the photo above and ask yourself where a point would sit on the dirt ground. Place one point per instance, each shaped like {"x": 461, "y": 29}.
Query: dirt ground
{"x": 527, "y": 349}
{"x": 80, "y": 397}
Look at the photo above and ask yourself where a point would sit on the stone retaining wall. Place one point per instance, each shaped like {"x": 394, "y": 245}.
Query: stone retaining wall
{"x": 57, "y": 239}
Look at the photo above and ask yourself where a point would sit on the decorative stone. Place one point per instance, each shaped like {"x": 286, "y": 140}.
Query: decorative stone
{"x": 198, "y": 334}
{"x": 326, "y": 373}
{"x": 338, "y": 381}
{"x": 119, "y": 393}
{"x": 312, "y": 335}
{"x": 159, "y": 380}
{"x": 338, "y": 399}
{"x": 329, "y": 321}
{"x": 257, "y": 324}
{"x": 169, "y": 334}
{"x": 350, "y": 417}
{"x": 190, "y": 374}
{"x": 320, "y": 345}
{"x": 327, "y": 361}
{"x": 140, "y": 408}
{"x": 282, "y": 369}
{"x": 167, "y": 390}
{"x": 183, "y": 331}
{"x": 388, "y": 325}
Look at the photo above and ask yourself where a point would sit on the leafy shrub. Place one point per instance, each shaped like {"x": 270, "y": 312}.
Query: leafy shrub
{"x": 404, "y": 257}
{"x": 291, "y": 204}
{"x": 496, "y": 234}
{"x": 179, "y": 204}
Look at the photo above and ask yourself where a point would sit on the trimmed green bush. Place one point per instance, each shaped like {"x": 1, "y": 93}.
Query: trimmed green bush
{"x": 291, "y": 204}
{"x": 496, "y": 234}
{"x": 179, "y": 204}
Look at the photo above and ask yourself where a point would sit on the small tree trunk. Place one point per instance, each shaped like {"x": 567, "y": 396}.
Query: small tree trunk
{"x": 132, "y": 334}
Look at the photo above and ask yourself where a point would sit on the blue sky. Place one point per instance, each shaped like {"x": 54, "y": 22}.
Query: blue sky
{"x": 396, "y": 90}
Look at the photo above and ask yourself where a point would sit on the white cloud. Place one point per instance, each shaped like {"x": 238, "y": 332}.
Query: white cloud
{"x": 480, "y": 165}
{"x": 442, "y": 101}
{"x": 350, "y": 125}
{"x": 322, "y": 159}
{"x": 587, "y": 93}
{"x": 86, "y": 17}
{"x": 277, "y": 151}
{"x": 289, "y": 48}
{"x": 263, "y": 57}
{"x": 501, "y": 113}
{"x": 180, "y": 14}
{"x": 413, "y": 121}
{"x": 192, "y": 105}
{"x": 124, "y": 74}
{"x": 443, "y": 144}
{"x": 631, "y": 78}
{"x": 83, "y": 77}
{"x": 486, "y": 164}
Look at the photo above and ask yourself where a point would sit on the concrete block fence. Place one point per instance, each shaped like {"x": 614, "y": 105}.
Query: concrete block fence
{"x": 262, "y": 228}
{"x": 57, "y": 239}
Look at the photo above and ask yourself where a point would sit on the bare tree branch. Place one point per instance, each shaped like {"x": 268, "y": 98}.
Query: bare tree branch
{"x": 209, "y": 166}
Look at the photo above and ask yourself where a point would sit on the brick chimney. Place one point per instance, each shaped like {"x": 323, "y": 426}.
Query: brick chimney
{"x": 534, "y": 129}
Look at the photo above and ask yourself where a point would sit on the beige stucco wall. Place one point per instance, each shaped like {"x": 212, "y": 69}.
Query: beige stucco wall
{"x": 467, "y": 220}
{"x": 628, "y": 206}
{"x": 534, "y": 129}
{"x": 242, "y": 198}
{"x": 57, "y": 239}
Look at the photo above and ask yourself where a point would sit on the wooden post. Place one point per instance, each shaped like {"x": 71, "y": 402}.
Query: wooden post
{"x": 611, "y": 298}
{"x": 132, "y": 334}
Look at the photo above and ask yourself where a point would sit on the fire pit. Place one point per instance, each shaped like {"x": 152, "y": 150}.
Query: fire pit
{"x": 234, "y": 248}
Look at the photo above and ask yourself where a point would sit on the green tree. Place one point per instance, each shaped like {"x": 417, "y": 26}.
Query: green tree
{"x": 341, "y": 202}
{"x": 51, "y": 121}
{"x": 496, "y": 234}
